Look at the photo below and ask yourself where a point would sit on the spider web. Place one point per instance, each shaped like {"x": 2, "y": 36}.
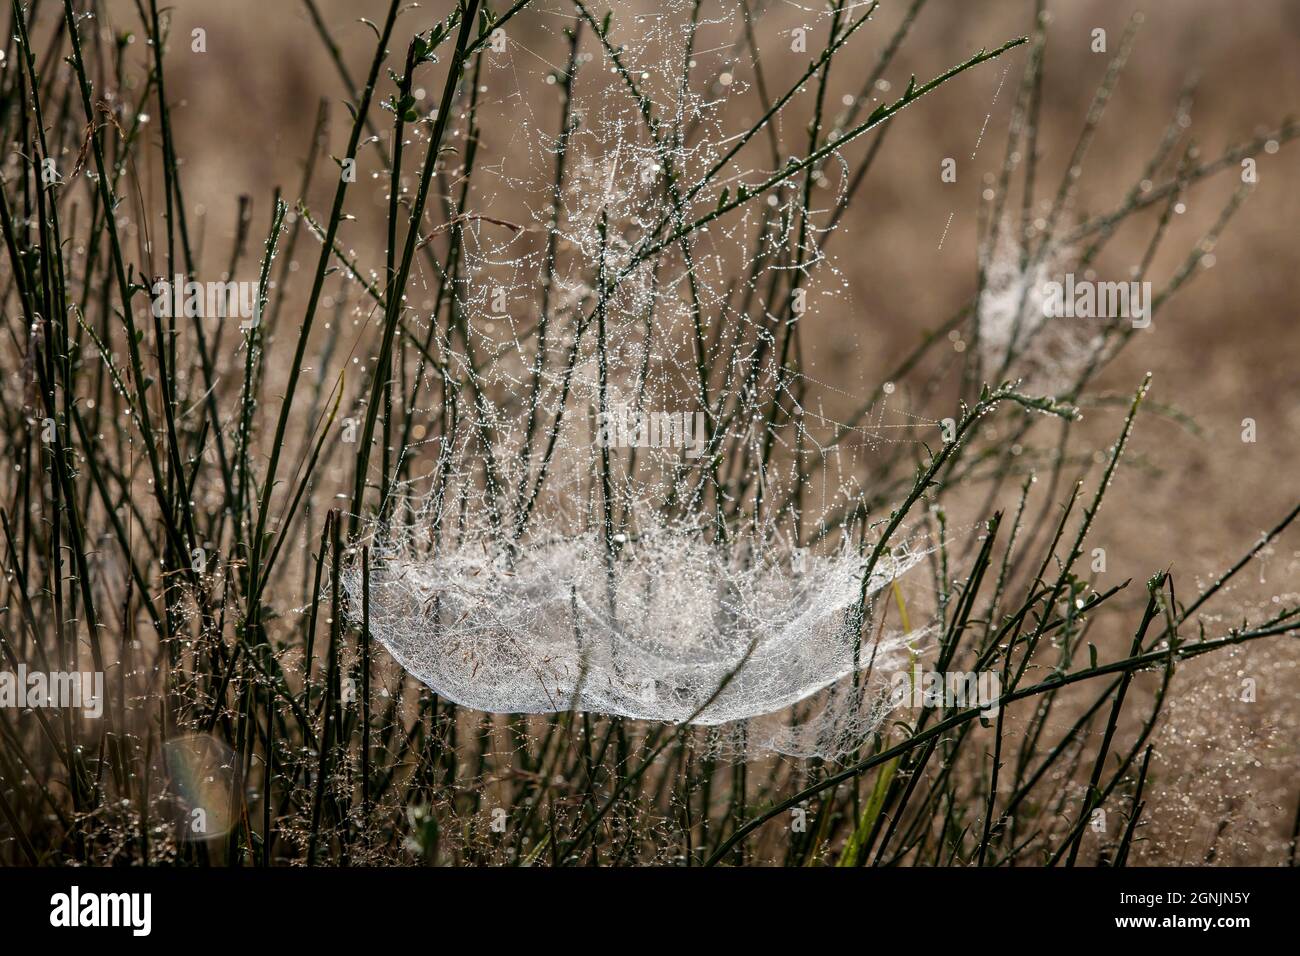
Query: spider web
{"x": 534, "y": 569}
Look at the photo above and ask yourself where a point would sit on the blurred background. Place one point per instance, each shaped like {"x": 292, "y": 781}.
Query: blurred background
{"x": 1223, "y": 350}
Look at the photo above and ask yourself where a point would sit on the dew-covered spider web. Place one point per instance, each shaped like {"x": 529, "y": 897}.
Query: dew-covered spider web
{"x": 631, "y": 499}
{"x": 680, "y": 630}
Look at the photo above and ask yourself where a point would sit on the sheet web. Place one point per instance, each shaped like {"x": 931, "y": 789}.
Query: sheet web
{"x": 607, "y": 517}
